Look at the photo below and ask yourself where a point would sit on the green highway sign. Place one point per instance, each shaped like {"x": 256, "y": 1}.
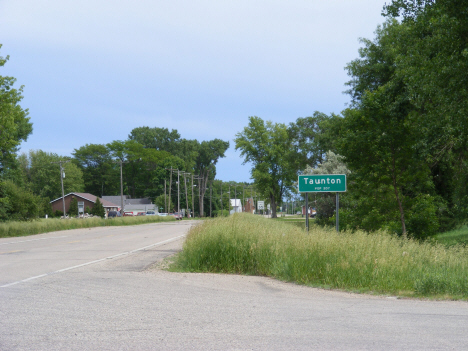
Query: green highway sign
{"x": 322, "y": 183}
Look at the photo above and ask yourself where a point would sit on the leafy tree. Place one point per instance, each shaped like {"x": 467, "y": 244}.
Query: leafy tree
{"x": 310, "y": 139}
{"x": 269, "y": 147}
{"x": 17, "y": 203}
{"x": 156, "y": 138}
{"x": 73, "y": 210}
{"x": 14, "y": 121}
{"x": 379, "y": 134}
{"x": 98, "y": 209}
{"x": 434, "y": 67}
{"x": 100, "y": 175}
{"x": 139, "y": 166}
{"x": 43, "y": 173}
{"x": 209, "y": 153}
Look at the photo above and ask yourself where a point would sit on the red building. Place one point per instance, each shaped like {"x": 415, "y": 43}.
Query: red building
{"x": 84, "y": 200}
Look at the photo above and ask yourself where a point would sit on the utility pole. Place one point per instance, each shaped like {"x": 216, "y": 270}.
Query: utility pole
{"x": 121, "y": 189}
{"x": 170, "y": 186}
{"x": 211, "y": 194}
{"x": 165, "y": 203}
{"x": 186, "y": 195}
{"x": 222, "y": 209}
{"x": 235, "y": 198}
{"x": 170, "y": 189}
{"x": 197, "y": 177}
{"x": 193, "y": 203}
{"x": 61, "y": 182}
{"x": 178, "y": 192}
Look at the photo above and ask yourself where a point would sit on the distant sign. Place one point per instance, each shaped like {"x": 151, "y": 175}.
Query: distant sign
{"x": 260, "y": 205}
{"x": 322, "y": 183}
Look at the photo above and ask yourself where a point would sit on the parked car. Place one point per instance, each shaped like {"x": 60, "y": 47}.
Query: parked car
{"x": 128, "y": 213}
{"x": 162, "y": 214}
{"x": 176, "y": 215}
{"x": 113, "y": 214}
{"x": 151, "y": 213}
{"x": 141, "y": 214}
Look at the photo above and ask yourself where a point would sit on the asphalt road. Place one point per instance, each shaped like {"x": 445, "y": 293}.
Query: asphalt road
{"x": 102, "y": 289}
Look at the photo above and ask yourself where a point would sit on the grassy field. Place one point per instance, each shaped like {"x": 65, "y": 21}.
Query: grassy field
{"x": 359, "y": 262}
{"x": 10, "y": 229}
{"x": 454, "y": 237}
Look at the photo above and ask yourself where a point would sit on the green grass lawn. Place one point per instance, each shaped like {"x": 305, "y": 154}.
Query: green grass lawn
{"x": 453, "y": 237}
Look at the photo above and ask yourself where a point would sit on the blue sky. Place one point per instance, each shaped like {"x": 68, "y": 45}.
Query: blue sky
{"x": 93, "y": 70}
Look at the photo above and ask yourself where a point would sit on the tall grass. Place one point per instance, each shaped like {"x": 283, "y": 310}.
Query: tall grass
{"x": 10, "y": 229}
{"x": 361, "y": 262}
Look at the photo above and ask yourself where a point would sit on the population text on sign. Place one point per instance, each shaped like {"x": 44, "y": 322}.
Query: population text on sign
{"x": 319, "y": 183}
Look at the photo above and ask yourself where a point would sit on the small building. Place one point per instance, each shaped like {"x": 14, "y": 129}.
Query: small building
{"x": 134, "y": 205}
{"x": 249, "y": 206}
{"x": 84, "y": 200}
{"x": 236, "y": 206}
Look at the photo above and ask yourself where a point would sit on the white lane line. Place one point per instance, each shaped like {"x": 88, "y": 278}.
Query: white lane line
{"x": 92, "y": 262}
{"x": 25, "y": 241}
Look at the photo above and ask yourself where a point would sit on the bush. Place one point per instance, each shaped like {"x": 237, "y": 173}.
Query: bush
{"x": 58, "y": 213}
{"x": 221, "y": 213}
{"x": 17, "y": 203}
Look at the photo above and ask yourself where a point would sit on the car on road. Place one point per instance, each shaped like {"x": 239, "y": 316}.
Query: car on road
{"x": 128, "y": 213}
{"x": 162, "y": 214}
{"x": 151, "y": 213}
{"x": 141, "y": 213}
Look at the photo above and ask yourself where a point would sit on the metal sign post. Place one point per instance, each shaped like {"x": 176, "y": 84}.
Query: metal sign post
{"x": 322, "y": 183}
{"x": 338, "y": 212}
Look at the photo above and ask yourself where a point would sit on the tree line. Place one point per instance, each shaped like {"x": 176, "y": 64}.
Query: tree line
{"x": 402, "y": 140}
{"x": 404, "y": 136}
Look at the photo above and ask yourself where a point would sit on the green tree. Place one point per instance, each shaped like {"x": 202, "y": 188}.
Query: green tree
{"x": 17, "y": 203}
{"x": 156, "y": 138}
{"x": 140, "y": 165}
{"x": 379, "y": 134}
{"x": 269, "y": 148}
{"x": 310, "y": 138}
{"x": 14, "y": 121}
{"x": 209, "y": 152}
{"x": 434, "y": 68}
{"x": 43, "y": 173}
{"x": 98, "y": 209}
{"x": 100, "y": 175}
{"x": 73, "y": 210}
